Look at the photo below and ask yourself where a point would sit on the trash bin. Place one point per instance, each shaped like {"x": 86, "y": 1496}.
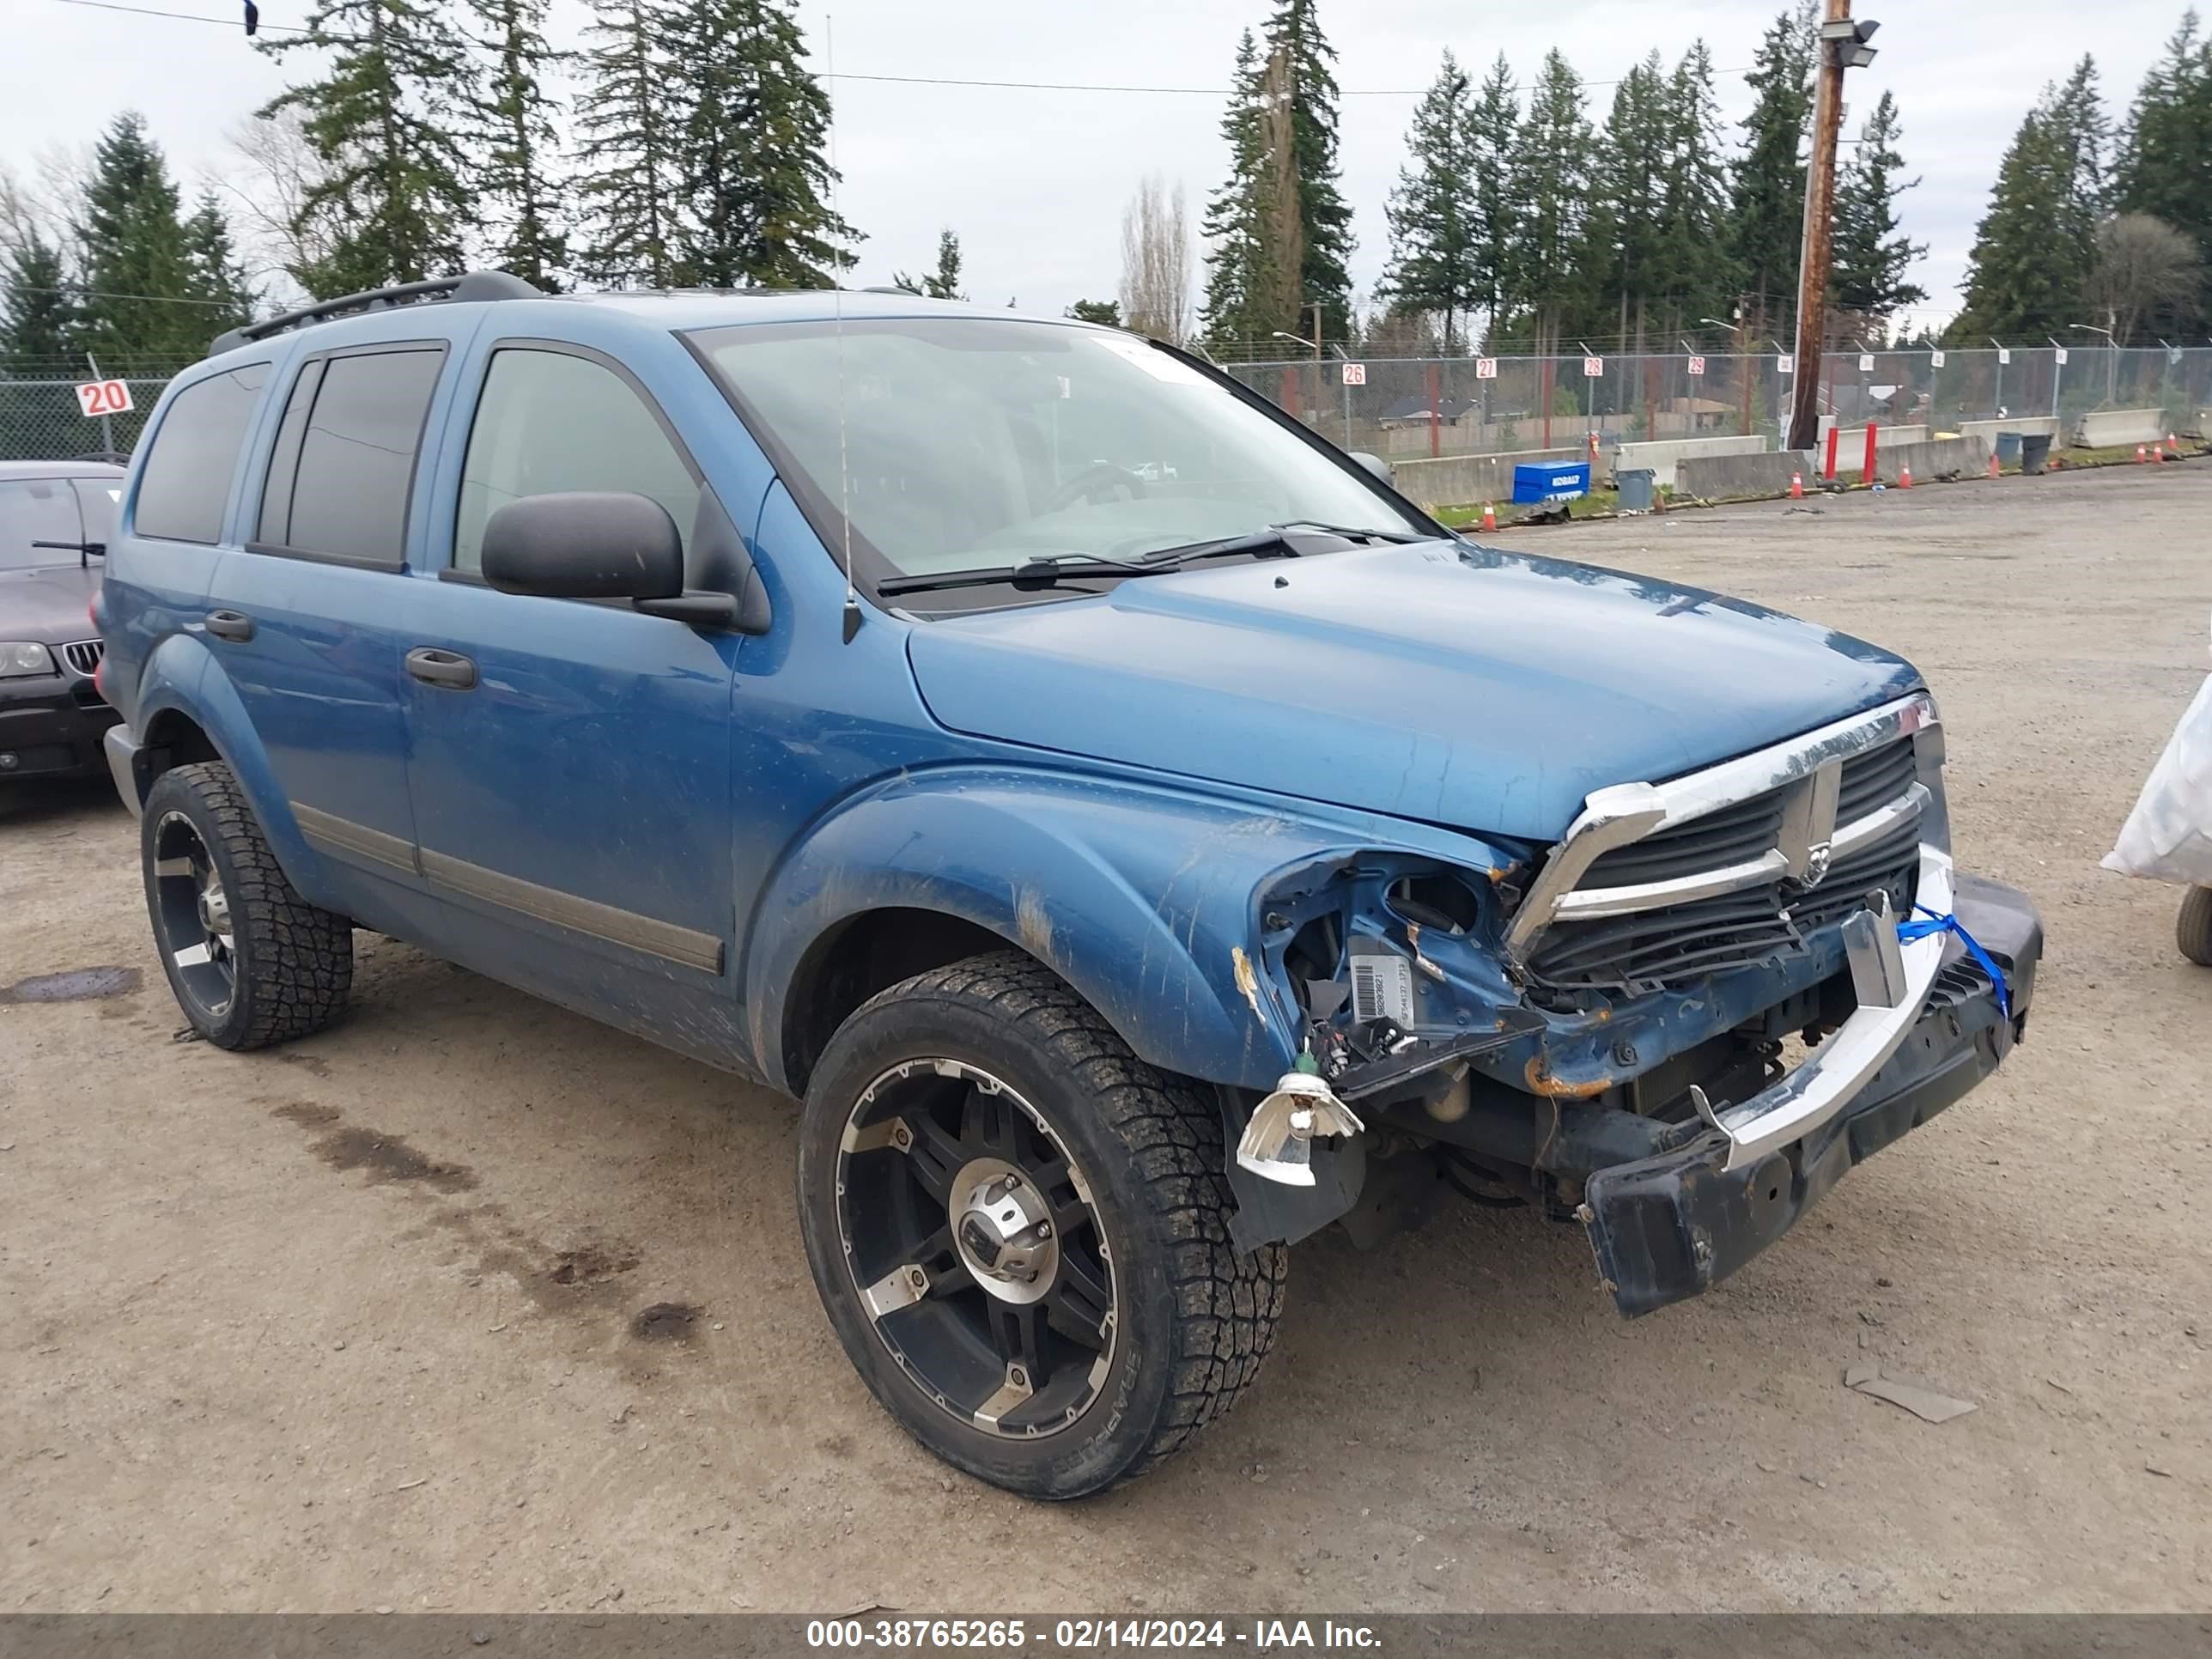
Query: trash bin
{"x": 2007, "y": 448}
{"x": 1635, "y": 484}
{"x": 2034, "y": 452}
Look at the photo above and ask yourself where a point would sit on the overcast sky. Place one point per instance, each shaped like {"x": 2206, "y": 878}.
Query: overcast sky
{"x": 1034, "y": 180}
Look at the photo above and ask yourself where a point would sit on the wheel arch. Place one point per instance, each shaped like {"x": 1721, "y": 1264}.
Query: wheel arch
{"x": 1141, "y": 899}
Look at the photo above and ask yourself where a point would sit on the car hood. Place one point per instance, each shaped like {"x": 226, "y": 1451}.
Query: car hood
{"x": 1442, "y": 682}
{"x": 47, "y": 603}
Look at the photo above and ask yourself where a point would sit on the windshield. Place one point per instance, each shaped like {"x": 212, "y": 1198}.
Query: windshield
{"x": 37, "y": 510}
{"x": 975, "y": 442}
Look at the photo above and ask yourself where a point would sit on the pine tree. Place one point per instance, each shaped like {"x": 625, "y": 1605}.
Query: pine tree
{"x": 2028, "y": 267}
{"x": 39, "y": 319}
{"x": 1622, "y": 258}
{"x": 1108, "y": 312}
{"x": 943, "y": 282}
{"x": 1434, "y": 259}
{"x": 2164, "y": 166}
{"x": 1768, "y": 206}
{"x": 131, "y": 243}
{"x": 510, "y": 130}
{"x": 1553, "y": 155}
{"x": 1324, "y": 218}
{"x": 750, "y": 151}
{"x": 380, "y": 118}
{"x": 1236, "y": 237}
{"x": 1492, "y": 124}
{"x": 1693, "y": 216}
{"x": 625, "y": 117}
{"x": 1871, "y": 257}
{"x": 218, "y": 281}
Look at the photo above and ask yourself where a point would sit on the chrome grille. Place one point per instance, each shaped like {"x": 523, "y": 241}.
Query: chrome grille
{"x": 1776, "y": 895}
{"x": 84, "y": 656}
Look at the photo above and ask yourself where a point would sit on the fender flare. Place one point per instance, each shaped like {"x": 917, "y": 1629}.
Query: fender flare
{"x": 181, "y": 676}
{"x": 1142, "y": 897}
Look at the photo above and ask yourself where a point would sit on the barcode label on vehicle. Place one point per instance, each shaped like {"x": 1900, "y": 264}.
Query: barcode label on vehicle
{"x": 1382, "y": 988}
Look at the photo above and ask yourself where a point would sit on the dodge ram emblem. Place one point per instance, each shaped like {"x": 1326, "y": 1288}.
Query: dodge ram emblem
{"x": 1816, "y": 864}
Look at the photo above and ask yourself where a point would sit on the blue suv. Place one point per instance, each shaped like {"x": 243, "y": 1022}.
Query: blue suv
{"x": 1139, "y": 836}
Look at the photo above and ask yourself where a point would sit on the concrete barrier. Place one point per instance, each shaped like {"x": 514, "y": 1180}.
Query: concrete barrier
{"x": 1662, "y": 455}
{"x": 2028, "y": 426}
{"x": 1935, "y": 461}
{"x": 1853, "y": 442}
{"x": 1723, "y": 477}
{"x": 1465, "y": 480}
{"x": 2102, "y": 428}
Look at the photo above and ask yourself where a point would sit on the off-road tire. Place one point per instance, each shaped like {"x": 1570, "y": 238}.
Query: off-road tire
{"x": 1197, "y": 1316}
{"x": 293, "y": 960}
{"x": 2192, "y": 929}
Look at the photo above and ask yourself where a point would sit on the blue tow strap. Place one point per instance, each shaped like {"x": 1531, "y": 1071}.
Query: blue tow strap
{"x": 1910, "y": 930}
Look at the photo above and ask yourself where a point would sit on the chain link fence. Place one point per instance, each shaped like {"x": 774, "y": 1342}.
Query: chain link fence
{"x": 1403, "y": 409}
{"x": 40, "y": 421}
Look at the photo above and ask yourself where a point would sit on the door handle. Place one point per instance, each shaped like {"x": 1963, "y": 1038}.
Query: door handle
{"x": 229, "y": 625}
{"x": 448, "y": 668}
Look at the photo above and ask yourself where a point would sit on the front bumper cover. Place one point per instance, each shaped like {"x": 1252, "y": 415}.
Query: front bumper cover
{"x": 1670, "y": 1227}
{"x": 48, "y": 728}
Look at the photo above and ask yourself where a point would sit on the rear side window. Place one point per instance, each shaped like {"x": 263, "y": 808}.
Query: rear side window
{"x": 36, "y": 510}
{"x": 344, "y": 458}
{"x": 550, "y": 422}
{"x": 185, "y": 481}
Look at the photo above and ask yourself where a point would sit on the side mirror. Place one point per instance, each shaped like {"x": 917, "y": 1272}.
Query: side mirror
{"x": 1375, "y": 464}
{"x": 585, "y": 545}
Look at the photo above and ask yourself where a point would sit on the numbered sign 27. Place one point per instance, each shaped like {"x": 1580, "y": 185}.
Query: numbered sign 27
{"x": 104, "y": 397}
{"x": 1485, "y": 369}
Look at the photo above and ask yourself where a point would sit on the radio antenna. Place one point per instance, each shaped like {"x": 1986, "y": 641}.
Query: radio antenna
{"x": 837, "y": 326}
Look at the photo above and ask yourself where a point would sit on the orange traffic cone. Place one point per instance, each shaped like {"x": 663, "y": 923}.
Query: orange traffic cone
{"x": 1904, "y": 478}
{"x": 1489, "y": 516}
{"x": 1995, "y": 470}
{"x": 2158, "y": 449}
{"x": 2172, "y": 448}
{"x": 1796, "y": 486}
{"x": 2142, "y": 454}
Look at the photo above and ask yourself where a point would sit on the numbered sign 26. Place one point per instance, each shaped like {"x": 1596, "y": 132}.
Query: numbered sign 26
{"x": 104, "y": 397}
{"x": 1355, "y": 374}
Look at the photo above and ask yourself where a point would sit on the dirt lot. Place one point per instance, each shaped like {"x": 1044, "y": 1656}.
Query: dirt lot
{"x": 471, "y": 1305}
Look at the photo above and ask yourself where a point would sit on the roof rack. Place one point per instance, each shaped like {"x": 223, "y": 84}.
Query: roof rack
{"x": 474, "y": 285}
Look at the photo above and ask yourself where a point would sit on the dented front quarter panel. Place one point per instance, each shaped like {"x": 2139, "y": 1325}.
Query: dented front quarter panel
{"x": 1147, "y": 898}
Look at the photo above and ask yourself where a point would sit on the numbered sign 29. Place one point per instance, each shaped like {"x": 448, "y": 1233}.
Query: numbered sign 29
{"x": 1355, "y": 374}
{"x": 1696, "y": 365}
{"x": 1593, "y": 368}
{"x": 104, "y": 397}
{"x": 1485, "y": 369}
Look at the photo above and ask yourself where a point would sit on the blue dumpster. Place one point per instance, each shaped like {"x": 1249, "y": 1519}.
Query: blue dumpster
{"x": 1555, "y": 480}
{"x": 2007, "y": 448}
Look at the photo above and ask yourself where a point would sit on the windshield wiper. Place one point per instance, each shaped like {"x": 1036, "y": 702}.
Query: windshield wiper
{"x": 1277, "y": 538}
{"x": 1029, "y": 573}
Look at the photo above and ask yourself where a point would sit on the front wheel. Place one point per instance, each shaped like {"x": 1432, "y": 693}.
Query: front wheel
{"x": 1020, "y": 1232}
{"x": 2192, "y": 929}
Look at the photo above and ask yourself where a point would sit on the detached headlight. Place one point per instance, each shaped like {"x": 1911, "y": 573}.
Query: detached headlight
{"x": 21, "y": 657}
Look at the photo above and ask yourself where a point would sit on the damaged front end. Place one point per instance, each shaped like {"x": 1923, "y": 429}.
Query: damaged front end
{"x": 1678, "y": 1025}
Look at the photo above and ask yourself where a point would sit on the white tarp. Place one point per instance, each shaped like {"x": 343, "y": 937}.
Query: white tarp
{"x": 2168, "y": 836}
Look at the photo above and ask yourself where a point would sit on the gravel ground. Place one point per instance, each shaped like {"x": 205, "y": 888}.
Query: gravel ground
{"x": 468, "y": 1304}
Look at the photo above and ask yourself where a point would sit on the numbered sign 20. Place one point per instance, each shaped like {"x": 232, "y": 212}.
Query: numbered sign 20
{"x": 104, "y": 397}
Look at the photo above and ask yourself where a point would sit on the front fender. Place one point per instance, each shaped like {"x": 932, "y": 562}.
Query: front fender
{"x": 181, "y": 676}
{"x": 1142, "y": 897}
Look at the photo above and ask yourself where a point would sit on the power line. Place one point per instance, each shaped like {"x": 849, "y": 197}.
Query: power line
{"x": 101, "y": 293}
{"x": 848, "y": 75}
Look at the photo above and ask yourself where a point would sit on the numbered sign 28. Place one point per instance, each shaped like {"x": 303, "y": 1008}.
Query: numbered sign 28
{"x": 1696, "y": 365}
{"x": 104, "y": 397}
{"x": 1355, "y": 374}
{"x": 1593, "y": 368}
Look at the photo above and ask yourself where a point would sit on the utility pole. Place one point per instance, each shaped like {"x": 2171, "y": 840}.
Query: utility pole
{"x": 1842, "y": 44}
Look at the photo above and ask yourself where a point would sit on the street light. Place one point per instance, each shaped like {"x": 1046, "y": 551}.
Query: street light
{"x": 2111, "y": 357}
{"x": 1297, "y": 339}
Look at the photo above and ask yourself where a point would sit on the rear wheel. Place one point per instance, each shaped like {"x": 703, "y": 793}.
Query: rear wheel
{"x": 1020, "y": 1232}
{"x": 2192, "y": 930}
{"x": 252, "y": 963}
